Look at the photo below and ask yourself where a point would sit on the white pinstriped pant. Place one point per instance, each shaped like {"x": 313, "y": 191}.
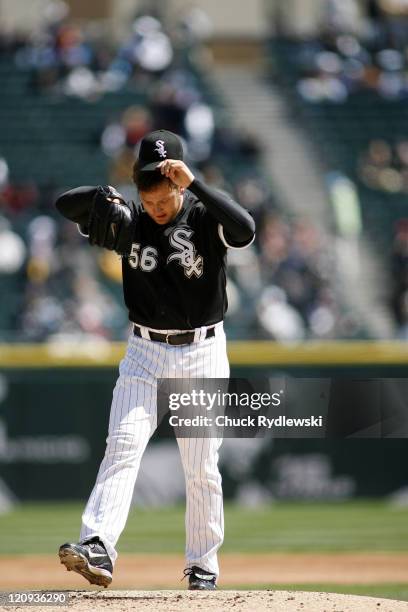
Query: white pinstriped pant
{"x": 133, "y": 420}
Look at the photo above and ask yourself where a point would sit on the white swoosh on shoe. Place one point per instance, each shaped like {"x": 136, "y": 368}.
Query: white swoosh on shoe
{"x": 204, "y": 577}
{"x": 94, "y": 555}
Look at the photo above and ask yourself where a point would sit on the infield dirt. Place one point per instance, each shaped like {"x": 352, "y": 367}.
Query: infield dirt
{"x": 234, "y": 601}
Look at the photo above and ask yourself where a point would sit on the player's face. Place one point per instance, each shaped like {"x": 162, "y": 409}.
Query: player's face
{"x": 162, "y": 203}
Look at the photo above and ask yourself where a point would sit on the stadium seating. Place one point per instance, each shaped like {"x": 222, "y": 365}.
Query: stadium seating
{"x": 342, "y": 132}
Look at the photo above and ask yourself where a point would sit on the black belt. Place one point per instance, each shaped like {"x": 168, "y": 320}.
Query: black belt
{"x": 174, "y": 339}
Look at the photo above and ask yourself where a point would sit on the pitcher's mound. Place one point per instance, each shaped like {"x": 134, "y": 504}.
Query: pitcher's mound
{"x": 234, "y": 601}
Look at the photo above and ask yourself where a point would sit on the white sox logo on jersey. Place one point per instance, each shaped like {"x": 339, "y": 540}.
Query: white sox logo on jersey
{"x": 160, "y": 148}
{"x": 186, "y": 253}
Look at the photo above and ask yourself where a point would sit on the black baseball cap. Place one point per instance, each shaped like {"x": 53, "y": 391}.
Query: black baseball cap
{"x": 157, "y": 146}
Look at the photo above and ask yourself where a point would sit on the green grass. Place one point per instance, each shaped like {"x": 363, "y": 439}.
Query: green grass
{"x": 282, "y": 527}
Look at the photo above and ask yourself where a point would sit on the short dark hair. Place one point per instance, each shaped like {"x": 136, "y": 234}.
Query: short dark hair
{"x": 145, "y": 181}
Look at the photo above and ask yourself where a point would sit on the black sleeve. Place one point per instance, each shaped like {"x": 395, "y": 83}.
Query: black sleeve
{"x": 76, "y": 204}
{"x": 237, "y": 223}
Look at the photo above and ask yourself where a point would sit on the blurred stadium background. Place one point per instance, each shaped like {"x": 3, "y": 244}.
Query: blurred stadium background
{"x": 299, "y": 108}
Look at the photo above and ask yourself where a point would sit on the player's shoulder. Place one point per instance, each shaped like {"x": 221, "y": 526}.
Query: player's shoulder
{"x": 190, "y": 201}
{"x": 197, "y": 217}
{"x": 192, "y": 205}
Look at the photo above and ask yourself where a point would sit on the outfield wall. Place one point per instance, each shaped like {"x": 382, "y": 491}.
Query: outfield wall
{"x": 54, "y": 408}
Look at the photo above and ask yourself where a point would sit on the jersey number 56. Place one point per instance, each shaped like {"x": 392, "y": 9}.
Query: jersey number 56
{"x": 146, "y": 259}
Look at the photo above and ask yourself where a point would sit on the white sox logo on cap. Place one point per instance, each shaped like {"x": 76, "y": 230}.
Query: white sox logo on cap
{"x": 160, "y": 148}
{"x": 156, "y": 147}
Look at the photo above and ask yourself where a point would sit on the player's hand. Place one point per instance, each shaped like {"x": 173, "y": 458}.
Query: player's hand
{"x": 177, "y": 171}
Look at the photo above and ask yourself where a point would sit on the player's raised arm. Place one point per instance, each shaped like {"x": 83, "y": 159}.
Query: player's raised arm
{"x": 237, "y": 224}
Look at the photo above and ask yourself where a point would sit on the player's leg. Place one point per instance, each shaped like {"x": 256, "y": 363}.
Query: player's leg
{"x": 132, "y": 422}
{"x": 204, "y": 505}
{"x": 204, "y": 502}
{"x": 133, "y": 419}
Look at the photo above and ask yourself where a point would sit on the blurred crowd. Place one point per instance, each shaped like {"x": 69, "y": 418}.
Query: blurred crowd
{"x": 60, "y": 288}
{"x": 399, "y": 294}
{"x": 352, "y": 71}
{"x": 356, "y": 51}
{"x": 82, "y": 59}
{"x": 384, "y": 166}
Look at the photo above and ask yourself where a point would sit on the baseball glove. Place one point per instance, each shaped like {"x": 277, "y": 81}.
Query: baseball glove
{"x": 110, "y": 222}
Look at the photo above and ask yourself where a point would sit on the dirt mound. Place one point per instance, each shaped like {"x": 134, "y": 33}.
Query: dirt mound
{"x": 235, "y": 601}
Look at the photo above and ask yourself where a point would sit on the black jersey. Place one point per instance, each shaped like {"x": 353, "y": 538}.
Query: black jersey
{"x": 175, "y": 276}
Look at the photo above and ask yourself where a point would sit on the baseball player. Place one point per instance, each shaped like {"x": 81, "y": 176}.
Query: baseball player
{"x": 173, "y": 245}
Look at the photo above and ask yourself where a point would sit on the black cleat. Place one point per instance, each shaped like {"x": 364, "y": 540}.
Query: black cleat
{"x": 89, "y": 559}
{"x": 199, "y": 579}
